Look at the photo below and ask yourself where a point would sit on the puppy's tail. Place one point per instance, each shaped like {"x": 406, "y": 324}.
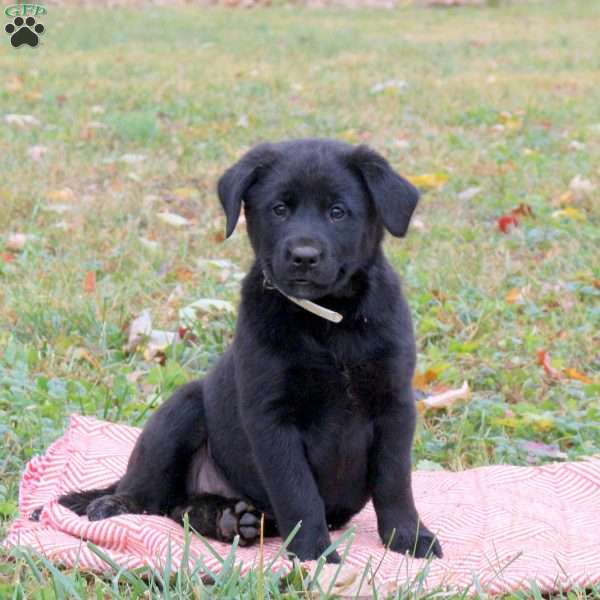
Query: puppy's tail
{"x": 79, "y": 501}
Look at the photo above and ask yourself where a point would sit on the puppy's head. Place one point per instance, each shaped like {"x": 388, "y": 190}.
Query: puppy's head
{"x": 315, "y": 210}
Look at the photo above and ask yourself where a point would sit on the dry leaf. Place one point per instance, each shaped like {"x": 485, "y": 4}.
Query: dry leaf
{"x": 574, "y": 374}
{"x": 84, "y": 354}
{"x": 538, "y": 449}
{"x": 563, "y": 199}
{"x": 389, "y": 84}
{"x": 429, "y": 181}
{"x": 36, "y": 152}
{"x": 445, "y": 399}
{"x": 16, "y": 241}
{"x": 64, "y": 195}
{"x": 21, "y": 120}
{"x": 505, "y": 222}
{"x": 158, "y": 341}
{"x": 149, "y": 244}
{"x": 89, "y": 283}
{"x": 523, "y": 210}
{"x": 189, "y": 314}
{"x": 509, "y": 121}
{"x": 133, "y": 159}
{"x": 514, "y": 296}
{"x": 570, "y": 213}
{"x": 581, "y": 187}
{"x": 139, "y": 329}
{"x": 543, "y": 359}
{"x": 173, "y": 219}
{"x": 422, "y": 380}
{"x": 468, "y": 194}
{"x": 343, "y": 581}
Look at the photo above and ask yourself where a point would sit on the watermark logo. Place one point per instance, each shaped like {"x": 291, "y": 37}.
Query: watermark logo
{"x": 25, "y": 29}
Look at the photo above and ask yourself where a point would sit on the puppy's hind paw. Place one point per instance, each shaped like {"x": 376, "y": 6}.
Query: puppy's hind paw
{"x": 240, "y": 519}
{"x": 110, "y": 505}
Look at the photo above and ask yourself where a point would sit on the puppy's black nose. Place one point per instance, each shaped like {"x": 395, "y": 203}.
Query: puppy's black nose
{"x": 304, "y": 256}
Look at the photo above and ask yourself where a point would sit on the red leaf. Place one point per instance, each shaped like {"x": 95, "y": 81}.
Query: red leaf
{"x": 505, "y": 221}
{"x": 543, "y": 359}
{"x": 89, "y": 283}
{"x": 7, "y": 257}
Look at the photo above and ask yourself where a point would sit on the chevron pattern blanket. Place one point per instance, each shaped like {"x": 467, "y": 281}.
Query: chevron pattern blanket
{"x": 501, "y": 527}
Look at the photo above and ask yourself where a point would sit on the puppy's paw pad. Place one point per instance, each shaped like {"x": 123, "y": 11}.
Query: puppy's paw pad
{"x": 109, "y": 506}
{"x": 241, "y": 519}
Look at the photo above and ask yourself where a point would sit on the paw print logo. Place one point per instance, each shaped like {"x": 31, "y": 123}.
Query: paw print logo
{"x": 24, "y": 32}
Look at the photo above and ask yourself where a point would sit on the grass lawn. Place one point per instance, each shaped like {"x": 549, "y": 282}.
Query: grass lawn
{"x": 139, "y": 111}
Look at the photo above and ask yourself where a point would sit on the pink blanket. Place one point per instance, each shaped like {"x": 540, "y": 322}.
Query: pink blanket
{"x": 500, "y": 526}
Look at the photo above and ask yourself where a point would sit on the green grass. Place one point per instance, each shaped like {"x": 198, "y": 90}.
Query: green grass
{"x": 190, "y": 90}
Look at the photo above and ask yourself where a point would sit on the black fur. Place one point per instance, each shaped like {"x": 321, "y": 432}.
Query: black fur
{"x": 305, "y": 420}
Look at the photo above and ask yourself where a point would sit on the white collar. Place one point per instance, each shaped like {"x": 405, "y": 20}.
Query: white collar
{"x": 311, "y": 307}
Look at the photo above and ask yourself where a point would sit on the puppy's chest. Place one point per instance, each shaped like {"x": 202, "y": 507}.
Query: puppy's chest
{"x": 334, "y": 396}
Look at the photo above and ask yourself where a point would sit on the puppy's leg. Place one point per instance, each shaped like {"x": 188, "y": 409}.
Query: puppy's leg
{"x": 280, "y": 456}
{"x": 397, "y": 518}
{"x": 155, "y": 480}
{"x": 223, "y": 518}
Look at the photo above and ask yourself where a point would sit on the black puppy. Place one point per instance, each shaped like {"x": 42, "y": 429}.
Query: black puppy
{"x": 303, "y": 418}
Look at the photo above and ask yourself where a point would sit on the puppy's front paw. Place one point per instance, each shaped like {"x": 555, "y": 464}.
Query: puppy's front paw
{"x": 110, "y": 506}
{"x": 416, "y": 539}
{"x": 312, "y": 548}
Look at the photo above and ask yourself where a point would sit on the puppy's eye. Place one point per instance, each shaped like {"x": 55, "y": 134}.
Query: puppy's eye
{"x": 337, "y": 213}
{"x": 281, "y": 210}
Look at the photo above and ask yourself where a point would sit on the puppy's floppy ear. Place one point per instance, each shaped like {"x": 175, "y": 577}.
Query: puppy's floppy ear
{"x": 394, "y": 197}
{"x": 237, "y": 180}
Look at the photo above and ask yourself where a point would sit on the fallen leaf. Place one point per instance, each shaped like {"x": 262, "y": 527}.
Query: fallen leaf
{"x": 389, "y": 84}
{"x": 189, "y": 314}
{"x": 523, "y": 210}
{"x": 36, "y": 152}
{"x": 13, "y": 84}
{"x": 581, "y": 187}
{"x": 468, "y": 194}
{"x": 538, "y": 449}
{"x": 149, "y": 244}
{"x": 7, "y": 257}
{"x": 563, "y": 199}
{"x": 139, "y": 329}
{"x": 158, "y": 341}
{"x": 133, "y": 158}
{"x": 505, "y": 222}
{"x": 86, "y": 355}
{"x": 184, "y": 275}
{"x": 514, "y": 296}
{"x": 422, "y": 380}
{"x": 543, "y": 359}
{"x": 340, "y": 580}
{"x": 16, "y": 241}
{"x": 509, "y": 121}
{"x": 173, "y": 219}
{"x": 89, "y": 283}
{"x": 574, "y": 374}
{"x": 570, "y": 213}
{"x": 429, "y": 181}
{"x": 445, "y": 399}
{"x": 21, "y": 120}
{"x": 64, "y": 195}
